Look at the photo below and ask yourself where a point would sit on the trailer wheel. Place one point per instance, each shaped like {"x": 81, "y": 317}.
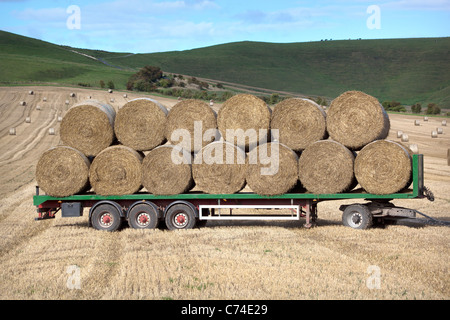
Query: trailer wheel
{"x": 143, "y": 216}
{"x": 357, "y": 217}
{"x": 106, "y": 217}
{"x": 180, "y": 216}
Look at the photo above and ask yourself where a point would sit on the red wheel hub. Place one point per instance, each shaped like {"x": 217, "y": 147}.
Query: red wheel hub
{"x": 181, "y": 219}
{"x": 143, "y": 219}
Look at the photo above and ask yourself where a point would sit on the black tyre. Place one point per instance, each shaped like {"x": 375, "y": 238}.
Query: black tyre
{"x": 180, "y": 216}
{"x": 357, "y": 217}
{"x": 143, "y": 216}
{"x": 106, "y": 217}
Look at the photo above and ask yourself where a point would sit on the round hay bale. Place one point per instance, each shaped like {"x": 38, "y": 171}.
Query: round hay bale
{"x": 28, "y": 120}
{"x": 414, "y": 148}
{"x": 300, "y": 122}
{"x": 110, "y": 91}
{"x": 60, "y": 118}
{"x": 72, "y": 95}
{"x": 125, "y": 95}
{"x": 417, "y": 123}
{"x": 67, "y": 101}
{"x": 326, "y": 167}
{"x": 194, "y": 117}
{"x": 140, "y": 124}
{"x": 88, "y": 127}
{"x": 425, "y": 118}
{"x": 63, "y": 171}
{"x": 117, "y": 170}
{"x": 22, "y": 103}
{"x": 444, "y": 123}
{"x": 383, "y": 167}
{"x": 45, "y": 99}
{"x": 167, "y": 170}
{"x": 434, "y": 134}
{"x": 241, "y": 118}
{"x": 405, "y": 138}
{"x": 31, "y": 92}
{"x": 38, "y": 108}
{"x": 399, "y": 134}
{"x": 439, "y": 130}
{"x": 272, "y": 169}
{"x": 219, "y": 168}
{"x": 12, "y": 131}
{"x": 51, "y": 131}
{"x": 112, "y": 100}
{"x": 355, "y": 119}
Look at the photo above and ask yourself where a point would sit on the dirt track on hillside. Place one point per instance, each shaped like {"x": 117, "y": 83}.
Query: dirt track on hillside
{"x": 226, "y": 260}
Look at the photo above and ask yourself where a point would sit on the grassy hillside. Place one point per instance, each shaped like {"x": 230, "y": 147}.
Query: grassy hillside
{"x": 27, "y": 60}
{"x": 405, "y": 70}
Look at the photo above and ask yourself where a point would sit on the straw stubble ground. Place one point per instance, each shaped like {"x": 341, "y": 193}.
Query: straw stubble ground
{"x": 247, "y": 260}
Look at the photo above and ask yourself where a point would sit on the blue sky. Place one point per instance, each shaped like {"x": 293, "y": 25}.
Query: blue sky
{"x": 144, "y": 26}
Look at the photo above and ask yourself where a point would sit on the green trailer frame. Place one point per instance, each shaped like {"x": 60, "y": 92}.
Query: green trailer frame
{"x": 304, "y": 203}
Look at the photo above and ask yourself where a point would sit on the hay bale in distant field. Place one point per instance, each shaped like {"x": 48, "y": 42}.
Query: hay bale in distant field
{"x": 425, "y": 118}
{"x": 444, "y": 123}
{"x": 88, "y": 127}
{"x": 167, "y": 170}
{"x": 439, "y": 130}
{"x": 38, "y": 108}
{"x": 327, "y": 167}
{"x": 51, "y": 131}
{"x": 244, "y": 115}
{"x": 399, "y": 134}
{"x": 28, "y": 120}
{"x": 414, "y": 148}
{"x": 67, "y": 102}
{"x": 300, "y": 122}
{"x": 434, "y": 134}
{"x": 22, "y": 103}
{"x": 383, "y": 167}
{"x": 45, "y": 99}
{"x": 72, "y": 95}
{"x": 184, "y": 116}
{"x": 60, "y": 118}
{"x": 12, "y": 131}
{"x": 356, "y": 119}
{"x": 117, "y": 170}
{"x": 417, "y": 123}
{"x": 31, "y": 92}
{"x": 125, "y": 95}
{"x": 63, "y": 171}
{"x": 272, "y": 169}
{"x": 140, "y": 124}
{"x": 219, "y": 168}
{"x": 405, "y": 138}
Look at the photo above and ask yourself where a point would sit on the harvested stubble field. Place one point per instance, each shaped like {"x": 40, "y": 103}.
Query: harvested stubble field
{"x": 225, "y": 260}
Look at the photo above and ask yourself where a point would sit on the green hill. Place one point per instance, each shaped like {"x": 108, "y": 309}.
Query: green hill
{"x": 405, "y": 70}
{"x": 27, "y": 60}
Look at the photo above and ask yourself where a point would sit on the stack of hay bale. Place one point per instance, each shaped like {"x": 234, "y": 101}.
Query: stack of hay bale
{"x": 294, "y": 147}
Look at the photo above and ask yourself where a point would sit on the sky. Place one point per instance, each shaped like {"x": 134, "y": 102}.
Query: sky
{"x": 146, "y": 26}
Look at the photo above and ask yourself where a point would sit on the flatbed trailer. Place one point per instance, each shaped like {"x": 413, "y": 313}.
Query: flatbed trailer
{"x": 185, "y": 211}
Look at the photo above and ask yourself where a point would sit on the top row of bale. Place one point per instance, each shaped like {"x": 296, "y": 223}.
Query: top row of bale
{"x": 354, "y": 119}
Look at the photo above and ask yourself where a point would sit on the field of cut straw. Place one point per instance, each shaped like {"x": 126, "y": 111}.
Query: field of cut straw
{"x": 65, "y": 259}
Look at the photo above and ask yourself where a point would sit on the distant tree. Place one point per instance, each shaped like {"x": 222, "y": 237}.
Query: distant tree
{"x": 416, "y": 108}
{"x": 102, "y": 84}
{"x": 274, "y": 98}
{"x": 111, "y": 84}
{"x": 145, "y": 79}
{"x": 432, "y": 108}
{"x": 220, "y": 86}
